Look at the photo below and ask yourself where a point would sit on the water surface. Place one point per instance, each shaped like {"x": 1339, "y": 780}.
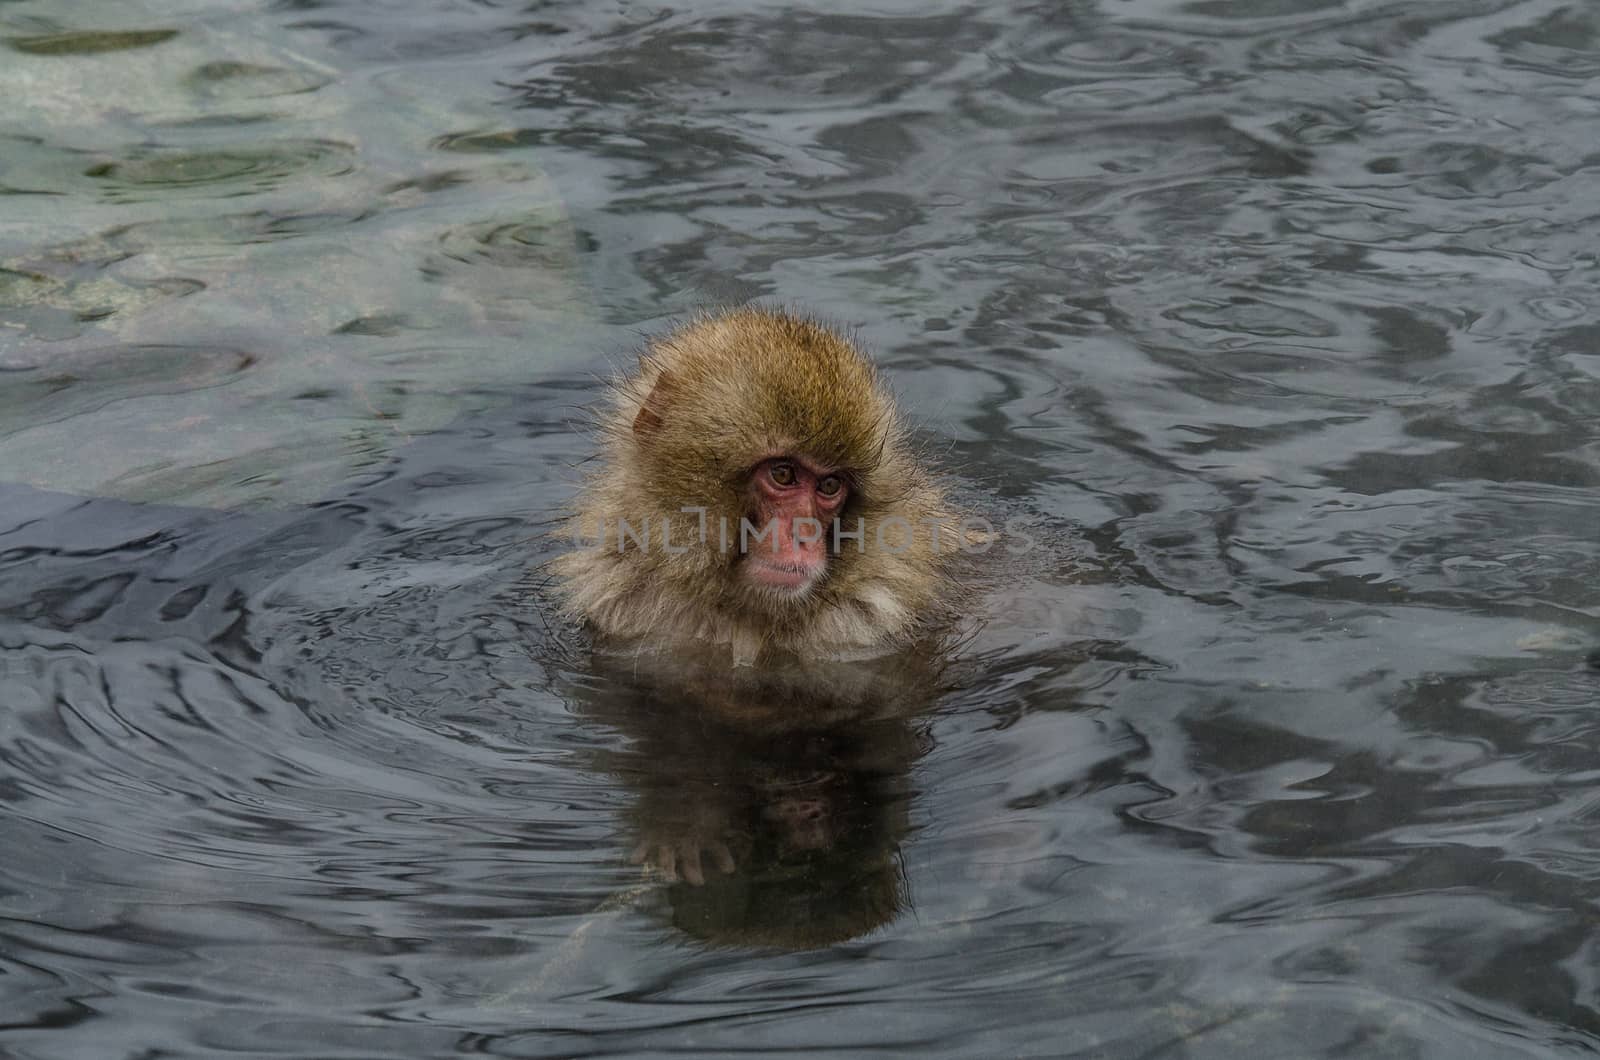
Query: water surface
{"x": 1279, "y": 319}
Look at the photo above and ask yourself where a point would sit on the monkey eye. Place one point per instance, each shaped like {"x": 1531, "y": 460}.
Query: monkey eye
{"x": 829, "y": 485}
{"x": 782, "y": 474}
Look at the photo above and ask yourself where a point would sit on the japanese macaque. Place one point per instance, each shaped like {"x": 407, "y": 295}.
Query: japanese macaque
{"x": 757, "y": 493}
{"x": 770, "y": 830}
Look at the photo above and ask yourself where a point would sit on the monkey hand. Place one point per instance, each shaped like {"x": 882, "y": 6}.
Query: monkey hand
{"x": 681, "y": 849}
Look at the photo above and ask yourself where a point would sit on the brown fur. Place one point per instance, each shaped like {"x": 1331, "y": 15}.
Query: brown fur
{"x": 708, "y": 402}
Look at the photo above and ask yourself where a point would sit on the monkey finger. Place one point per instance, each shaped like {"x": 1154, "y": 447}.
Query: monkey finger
{"x": 724, "y": 858}
{"x": 658, "y": 857}
{"x": 691, "y": 866}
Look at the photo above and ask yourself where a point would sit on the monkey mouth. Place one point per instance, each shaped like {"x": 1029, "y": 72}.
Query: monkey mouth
{"x": 787, "y": 579}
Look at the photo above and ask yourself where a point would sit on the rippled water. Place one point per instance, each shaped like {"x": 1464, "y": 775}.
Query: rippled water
{"x": 1280, "y": 318}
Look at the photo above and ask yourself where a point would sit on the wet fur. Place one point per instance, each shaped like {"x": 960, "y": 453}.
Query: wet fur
{"x": 708, "y": 402}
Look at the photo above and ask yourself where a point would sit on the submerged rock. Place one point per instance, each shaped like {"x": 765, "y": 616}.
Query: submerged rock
{"x": 237, "y": 267}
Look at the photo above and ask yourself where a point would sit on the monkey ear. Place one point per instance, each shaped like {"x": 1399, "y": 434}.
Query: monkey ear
{"x": 654, "y": 410}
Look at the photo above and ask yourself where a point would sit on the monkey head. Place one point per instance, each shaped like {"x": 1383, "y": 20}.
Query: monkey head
{"x": 758, "y": 489}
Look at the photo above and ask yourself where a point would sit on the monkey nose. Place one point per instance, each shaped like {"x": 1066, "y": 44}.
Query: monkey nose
{"x": 795, "y": 557}
{"x": 798, "y": 541}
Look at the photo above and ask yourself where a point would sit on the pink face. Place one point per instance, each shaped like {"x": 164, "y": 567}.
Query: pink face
{"x": 794, "y": 502}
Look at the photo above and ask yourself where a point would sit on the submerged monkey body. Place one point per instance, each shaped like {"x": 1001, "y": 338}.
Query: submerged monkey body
{"x": 757, "y": 492}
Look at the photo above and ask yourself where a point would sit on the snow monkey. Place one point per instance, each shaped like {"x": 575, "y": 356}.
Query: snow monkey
{"x": 757, "y": 494}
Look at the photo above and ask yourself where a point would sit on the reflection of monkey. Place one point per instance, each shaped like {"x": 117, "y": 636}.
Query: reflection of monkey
{"x": 776, "y": 821}
{"x": 823, "y": 865}
{"x": 756, "y": 494}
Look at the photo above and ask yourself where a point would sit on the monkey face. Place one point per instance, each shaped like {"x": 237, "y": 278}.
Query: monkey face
{"x": 793, "y": 502}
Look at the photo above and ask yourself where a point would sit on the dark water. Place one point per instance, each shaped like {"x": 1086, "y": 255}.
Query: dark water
{"x": 1281, "y": 318}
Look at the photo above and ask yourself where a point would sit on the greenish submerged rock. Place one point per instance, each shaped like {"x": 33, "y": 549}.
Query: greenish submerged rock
{"x": 234, "y": 272}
